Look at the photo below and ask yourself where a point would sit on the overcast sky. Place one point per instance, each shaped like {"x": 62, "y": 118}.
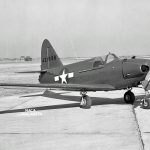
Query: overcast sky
{"x": 80, "y": 28}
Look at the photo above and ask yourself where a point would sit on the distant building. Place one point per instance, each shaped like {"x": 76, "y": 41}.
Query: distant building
{"x": 22, "y": 58}
{"x": 28, "y": 58}
{"x": 25, "y": 58}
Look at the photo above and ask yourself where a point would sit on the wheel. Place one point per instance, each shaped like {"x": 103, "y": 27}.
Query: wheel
{"x": 146, "y": 103}
{"x": 129, "y": 97}
{"x": 86, "y": 102}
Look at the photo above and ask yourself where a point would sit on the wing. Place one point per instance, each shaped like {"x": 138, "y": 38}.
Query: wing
{"x": 68, "y": 87}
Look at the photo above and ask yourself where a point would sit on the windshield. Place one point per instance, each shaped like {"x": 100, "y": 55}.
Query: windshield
{"x": 110, "y": 57}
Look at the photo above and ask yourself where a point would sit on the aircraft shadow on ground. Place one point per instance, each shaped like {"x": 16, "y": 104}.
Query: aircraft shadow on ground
{"x": 95, "y": 101}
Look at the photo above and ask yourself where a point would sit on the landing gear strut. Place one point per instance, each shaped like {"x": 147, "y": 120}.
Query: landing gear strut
{"x": 129, "y": 97}
{"x": 85, "y": 101}
{"x": 146, "y": 101}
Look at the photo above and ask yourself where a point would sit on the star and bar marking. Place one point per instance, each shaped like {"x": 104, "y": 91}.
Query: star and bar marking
{"x": 64, "y": 76}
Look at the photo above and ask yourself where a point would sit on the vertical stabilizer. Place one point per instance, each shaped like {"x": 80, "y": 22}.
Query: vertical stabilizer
{"x": 49, "y": 58}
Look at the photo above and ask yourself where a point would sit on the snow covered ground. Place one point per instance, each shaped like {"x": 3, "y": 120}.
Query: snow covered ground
{"x": 54, "y": 121}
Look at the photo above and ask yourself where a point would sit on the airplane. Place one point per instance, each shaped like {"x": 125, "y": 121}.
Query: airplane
{"x": 106, "y": 73}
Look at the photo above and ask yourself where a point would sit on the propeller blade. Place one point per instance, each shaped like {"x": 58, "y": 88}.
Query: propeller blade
{"x": 146, "y": 82}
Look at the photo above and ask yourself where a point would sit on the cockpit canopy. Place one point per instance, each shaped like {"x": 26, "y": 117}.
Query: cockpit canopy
{"x": 99, "y": 61}
{"x": 110, "y": 57}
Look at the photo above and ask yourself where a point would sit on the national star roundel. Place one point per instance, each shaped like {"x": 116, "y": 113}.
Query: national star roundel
{"x": 64, "y": 76}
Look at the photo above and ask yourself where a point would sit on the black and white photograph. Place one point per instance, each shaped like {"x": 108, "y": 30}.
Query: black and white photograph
{"x": 74, "y": 75}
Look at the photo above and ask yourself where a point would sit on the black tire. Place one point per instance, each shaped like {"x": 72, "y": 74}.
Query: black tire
{"x": 146, "y": 104}
{"x": 86, "y": 102}
{"x": 129, "y": 97}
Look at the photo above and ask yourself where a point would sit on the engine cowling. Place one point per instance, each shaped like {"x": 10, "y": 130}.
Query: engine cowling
{"x": 132, "y": 70}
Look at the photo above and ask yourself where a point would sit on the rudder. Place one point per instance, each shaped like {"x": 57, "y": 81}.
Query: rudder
{"x": 49, "y": 58}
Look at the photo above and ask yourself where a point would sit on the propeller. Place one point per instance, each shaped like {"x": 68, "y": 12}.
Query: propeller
{"x": 145, "y": 83}
{"x": 146, "y": 87}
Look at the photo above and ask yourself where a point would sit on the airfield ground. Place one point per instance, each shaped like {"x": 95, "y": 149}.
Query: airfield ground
{"x": 35, "y": 119}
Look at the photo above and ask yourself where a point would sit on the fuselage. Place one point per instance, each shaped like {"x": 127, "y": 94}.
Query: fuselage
{"x": 120, "y": 73}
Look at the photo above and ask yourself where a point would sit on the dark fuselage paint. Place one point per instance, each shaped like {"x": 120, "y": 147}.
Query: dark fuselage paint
{"x": 113, "y": 73}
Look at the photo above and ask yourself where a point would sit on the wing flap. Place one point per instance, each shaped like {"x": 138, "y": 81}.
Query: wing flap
{"x": 68, "y": 87}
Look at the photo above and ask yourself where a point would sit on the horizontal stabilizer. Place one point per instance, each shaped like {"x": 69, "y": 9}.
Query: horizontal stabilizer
{"x": 68, "y": 87}
{"x": 38, "y": 71}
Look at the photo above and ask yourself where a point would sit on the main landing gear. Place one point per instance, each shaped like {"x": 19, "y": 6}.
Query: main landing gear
{"x": 129, "y": 97}
{"x": 85, "y": 101}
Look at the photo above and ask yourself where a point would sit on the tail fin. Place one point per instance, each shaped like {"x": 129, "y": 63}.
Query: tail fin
{"x": 49, "y": 58}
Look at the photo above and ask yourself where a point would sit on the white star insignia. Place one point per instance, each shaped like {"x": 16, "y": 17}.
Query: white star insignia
{"x": 64, "y": 76}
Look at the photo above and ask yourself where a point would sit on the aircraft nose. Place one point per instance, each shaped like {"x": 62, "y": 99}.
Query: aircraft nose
{"x": 135, "y": 69}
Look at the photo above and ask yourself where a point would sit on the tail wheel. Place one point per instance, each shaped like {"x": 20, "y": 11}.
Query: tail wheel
{"x": 86, "y": 102}
{"x": 129, "y": 97}
{"x": 146, "y": 104}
